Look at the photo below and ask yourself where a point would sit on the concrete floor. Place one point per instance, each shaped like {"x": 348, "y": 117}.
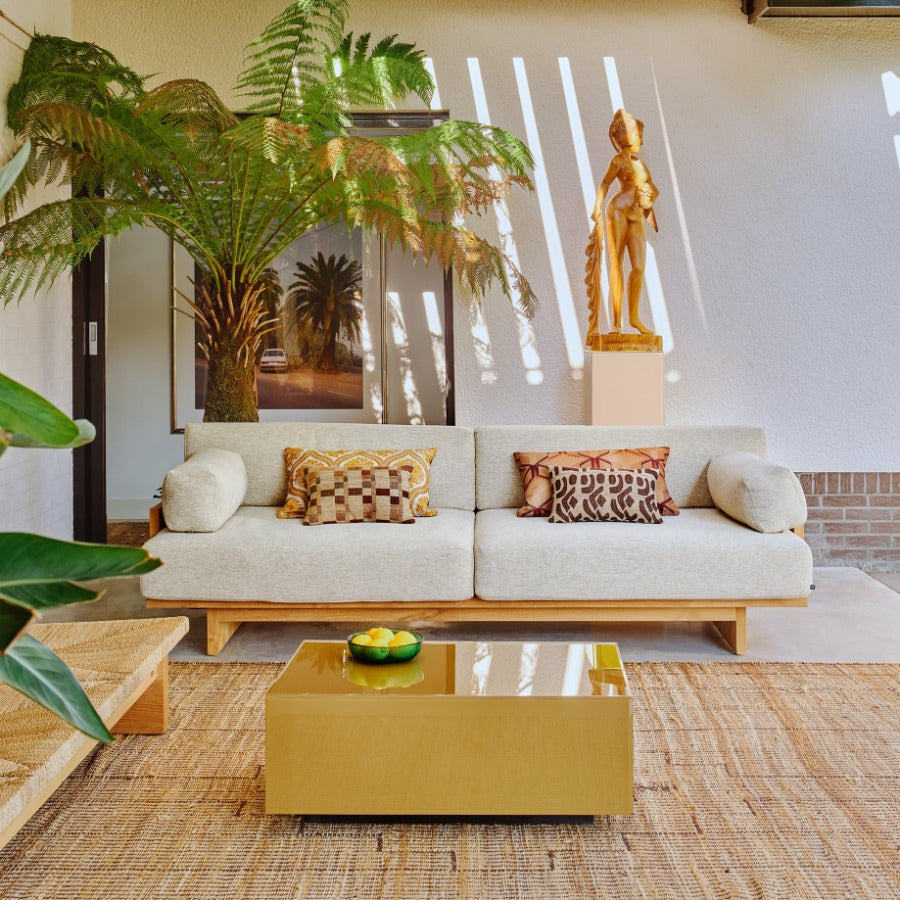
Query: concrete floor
{"x": 851, "y": 617}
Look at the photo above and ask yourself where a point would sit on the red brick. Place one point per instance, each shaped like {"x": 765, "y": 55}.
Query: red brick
{"x": 884, "y": 500}
{"x": 884, "y": 527}
{"x": 895, "y": 482}
{"x": 816, "y": 527}
{"x": 820, "y": 482}
{"x": 841, "y": 500}
{"x": 872, "y": 514}
{"x": 826, "y": 515}
{"x": 867, "y": 540}
{"x": 859, "y": 527}
{"x": 833, "y": 483}
{"x": 843, "y": 557}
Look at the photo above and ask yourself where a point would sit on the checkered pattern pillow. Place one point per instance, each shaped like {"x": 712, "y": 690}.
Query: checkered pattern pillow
{"x": 299, "y": 461}
{"x": 358, "y": 495}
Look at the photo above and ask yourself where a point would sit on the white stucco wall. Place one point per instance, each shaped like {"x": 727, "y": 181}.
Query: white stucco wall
{"x": 778, "y": 252}
{"x": 36, "y": 335}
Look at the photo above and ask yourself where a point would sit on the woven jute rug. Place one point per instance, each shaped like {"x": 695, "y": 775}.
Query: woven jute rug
{"x": 751, "y": 780}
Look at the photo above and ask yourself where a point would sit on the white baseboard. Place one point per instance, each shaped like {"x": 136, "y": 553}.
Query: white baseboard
{"x": 133, "y": 509}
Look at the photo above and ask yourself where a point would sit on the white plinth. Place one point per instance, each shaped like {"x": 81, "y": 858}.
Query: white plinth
{"x": 625, "y": 388}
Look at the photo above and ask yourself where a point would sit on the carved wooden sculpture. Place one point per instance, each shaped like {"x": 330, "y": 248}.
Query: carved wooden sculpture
{"x": 623, "y": 221}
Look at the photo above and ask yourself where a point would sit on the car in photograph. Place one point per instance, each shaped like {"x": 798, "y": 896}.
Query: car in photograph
{"x": 273, "y": 360}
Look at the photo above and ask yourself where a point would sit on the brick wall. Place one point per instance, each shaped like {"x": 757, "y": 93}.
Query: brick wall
{"x": 854, "y": 519}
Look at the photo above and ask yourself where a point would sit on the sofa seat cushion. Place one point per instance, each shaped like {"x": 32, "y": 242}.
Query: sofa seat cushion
{"x": 701, "y": 554}
{"x": 256, "y": 556}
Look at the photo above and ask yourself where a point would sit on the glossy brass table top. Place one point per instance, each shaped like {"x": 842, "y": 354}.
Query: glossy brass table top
{"x": 461, "y": 669}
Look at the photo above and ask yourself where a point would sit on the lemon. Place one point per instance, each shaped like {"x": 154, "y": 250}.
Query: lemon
{"x": 381, "y": 632}
{"x": 402, "y": 638}
{"x": 379, "y": 642}
{"x": 363, "y": 639}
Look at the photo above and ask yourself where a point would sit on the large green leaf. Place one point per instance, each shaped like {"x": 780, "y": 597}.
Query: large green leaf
{"x": 13, "y": 621}
{"x": 11, "y": 171}
{"x": 28, "y": 413}
{"x": 37, "y": 672}
{"x": 86, "y": 433}
{"x": 37, "y": 572}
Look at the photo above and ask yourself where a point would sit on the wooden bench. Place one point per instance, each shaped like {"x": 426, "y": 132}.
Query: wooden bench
{"x": 123, "y": 667}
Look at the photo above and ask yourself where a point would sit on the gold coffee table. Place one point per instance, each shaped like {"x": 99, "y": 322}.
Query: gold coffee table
{"x": 490, "y": 728}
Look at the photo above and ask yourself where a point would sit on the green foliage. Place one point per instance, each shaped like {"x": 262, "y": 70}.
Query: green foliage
{"x": 36, "y": 671}
{"x": 236, "y": 192}
{"x": 38, "y": 573}
{"x": 28, "y": 420}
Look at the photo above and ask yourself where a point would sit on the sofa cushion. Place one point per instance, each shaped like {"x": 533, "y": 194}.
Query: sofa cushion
{"x": 498, "y": 483}
{"x": 299, "y": 461}
{"x": 202, "y": 493}
{"x": 261, "y": 445}
{"x": 534, "y": 469}
{"x": 358, "y": 495}
{"x": 604, "y": 495}
{"x": 766, "y": 497}
{"x": 701, "y": 554}
{"x": 256, "y": 556}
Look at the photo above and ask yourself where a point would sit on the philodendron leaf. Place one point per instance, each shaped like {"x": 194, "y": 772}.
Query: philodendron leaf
{"x": 11, "y": 171}
{"x": 37, "y": 572}
{"x": 86, "y": 433}
{"x": 13, "y": 622}
{"x": 37, "y": 672}
{"x": 24, "y": 412}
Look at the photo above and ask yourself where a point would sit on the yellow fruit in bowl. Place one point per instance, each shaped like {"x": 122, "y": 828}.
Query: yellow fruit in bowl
{"x": 402, "y": 638}
{"x": 380, "y": 632}
{"x": 378, "y": 642}
{"x": 363, "y": 639}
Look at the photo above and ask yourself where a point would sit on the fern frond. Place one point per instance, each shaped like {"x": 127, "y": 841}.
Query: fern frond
{"x": 289, "y": 55}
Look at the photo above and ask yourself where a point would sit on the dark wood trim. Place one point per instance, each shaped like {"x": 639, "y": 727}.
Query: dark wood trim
{"x": 449, "y": 353}
{"x": 89, "y": 396}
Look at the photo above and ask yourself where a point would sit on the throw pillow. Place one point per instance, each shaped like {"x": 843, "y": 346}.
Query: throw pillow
{"x": 298, "y": 461}
{"x": 604, "y": 495}
{"x": 358, "y": 495}
{"x": 534, "y": 470}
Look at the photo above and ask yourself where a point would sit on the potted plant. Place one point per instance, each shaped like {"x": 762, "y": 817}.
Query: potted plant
{"x": 236, "y": 190}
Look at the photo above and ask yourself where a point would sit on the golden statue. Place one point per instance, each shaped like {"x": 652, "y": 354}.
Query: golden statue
{"x": 624, "y": 224}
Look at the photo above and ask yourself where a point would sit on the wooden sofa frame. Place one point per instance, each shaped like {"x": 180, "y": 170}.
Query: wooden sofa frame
{"x": 224, "y": 617}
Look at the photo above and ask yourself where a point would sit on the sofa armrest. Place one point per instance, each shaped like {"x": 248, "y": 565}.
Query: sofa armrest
{"x": 767, "y": 497}
{"x": 204, "y": 492}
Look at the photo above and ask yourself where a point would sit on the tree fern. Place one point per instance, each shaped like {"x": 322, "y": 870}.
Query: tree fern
{"x": 237, "y": 190}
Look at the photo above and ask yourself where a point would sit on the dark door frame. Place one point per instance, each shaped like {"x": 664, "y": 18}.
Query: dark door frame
{"x": 89, "y": 394}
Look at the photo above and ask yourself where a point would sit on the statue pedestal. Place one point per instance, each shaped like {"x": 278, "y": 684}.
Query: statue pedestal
{"x": 625, "y": 388}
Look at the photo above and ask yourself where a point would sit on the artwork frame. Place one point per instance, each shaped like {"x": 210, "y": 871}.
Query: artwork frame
{"x": 377, "y": 353}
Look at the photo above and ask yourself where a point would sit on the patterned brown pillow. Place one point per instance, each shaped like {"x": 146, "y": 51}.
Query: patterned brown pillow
{"x": 358, "y": 495}
{"x": 604, "y": 495}
{"x": 299, "y": 461}
{"x": 534, "y": 472}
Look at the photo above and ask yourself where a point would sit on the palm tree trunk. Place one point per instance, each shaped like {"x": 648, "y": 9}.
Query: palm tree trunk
{"x": 230, "y": 385}
{"x": 233, "y": 323}
{"x": 329, "y": 353}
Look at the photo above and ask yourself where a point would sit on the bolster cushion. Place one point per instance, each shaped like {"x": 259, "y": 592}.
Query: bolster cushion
{"x": 758, "y": 493}
{"x": 204, "y": 492}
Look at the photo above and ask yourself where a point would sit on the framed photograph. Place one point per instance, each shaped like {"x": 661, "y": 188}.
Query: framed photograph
{"x": 390, "y": 357}
{"x": 304, "y": 371}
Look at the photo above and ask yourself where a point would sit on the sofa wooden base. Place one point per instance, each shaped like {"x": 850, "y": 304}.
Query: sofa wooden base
{"x": 728, "y": 616}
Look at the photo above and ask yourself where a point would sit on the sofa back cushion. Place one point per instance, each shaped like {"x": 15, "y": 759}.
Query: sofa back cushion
{"x": 261, "y": 445}
{"x": 498, "y": 484}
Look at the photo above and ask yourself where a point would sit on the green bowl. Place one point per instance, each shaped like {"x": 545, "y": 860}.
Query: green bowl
{"x": 366, "y": 654}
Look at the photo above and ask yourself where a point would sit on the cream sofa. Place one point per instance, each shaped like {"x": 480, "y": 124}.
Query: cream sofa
{"x": 476, "y": 560}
